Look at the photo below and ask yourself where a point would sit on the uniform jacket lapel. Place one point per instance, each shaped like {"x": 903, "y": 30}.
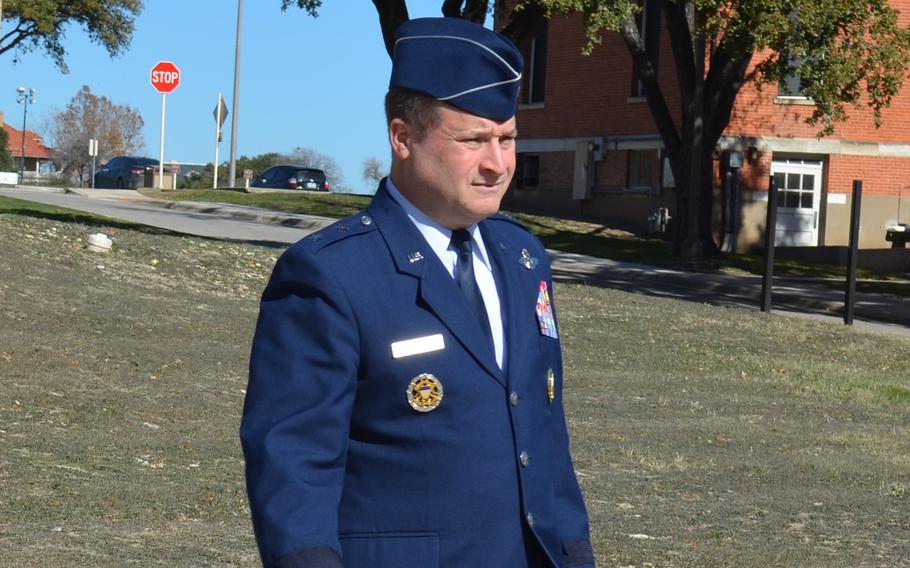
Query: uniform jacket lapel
{"x": 513, "y": 292}
{"x": 437, "y": 290}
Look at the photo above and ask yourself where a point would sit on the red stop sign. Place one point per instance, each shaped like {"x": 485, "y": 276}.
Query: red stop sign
{"x": 165, "y": 77}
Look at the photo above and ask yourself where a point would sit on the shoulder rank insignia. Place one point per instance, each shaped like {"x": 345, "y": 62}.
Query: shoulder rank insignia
{"x": 424, "y": 392}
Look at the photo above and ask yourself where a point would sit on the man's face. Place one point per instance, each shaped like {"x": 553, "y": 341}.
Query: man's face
{"x": 458, "y": 171}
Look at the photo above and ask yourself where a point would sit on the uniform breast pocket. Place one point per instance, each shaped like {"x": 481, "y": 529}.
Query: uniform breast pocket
{"x": 549, "y": 345}
{"x": 391, "y": 550}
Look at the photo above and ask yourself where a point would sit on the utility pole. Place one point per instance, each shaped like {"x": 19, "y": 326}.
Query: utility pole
{"x": 232, "y": 170}
{"x": 24, "y": 97}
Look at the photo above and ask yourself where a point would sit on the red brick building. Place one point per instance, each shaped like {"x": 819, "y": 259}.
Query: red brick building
{"x": 588, "y": 146}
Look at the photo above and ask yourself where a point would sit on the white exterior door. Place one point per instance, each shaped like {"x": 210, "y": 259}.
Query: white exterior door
{"x": 799, "y": 190}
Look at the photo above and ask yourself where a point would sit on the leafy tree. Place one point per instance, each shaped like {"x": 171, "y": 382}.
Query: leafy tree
{"x": 118, "y": 129}
{"x": 258, "y": 163}
{"x": 847, "y": 53}
{"x": 393, "y": 12}
{"x": 42, "y": 24}
{"x": 202, "y": 180}
{"x": 6, "y": 159}
{"x": 373, "y": 170}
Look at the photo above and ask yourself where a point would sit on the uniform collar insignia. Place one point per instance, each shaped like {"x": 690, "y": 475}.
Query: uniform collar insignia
{"x": 527, "y": 260}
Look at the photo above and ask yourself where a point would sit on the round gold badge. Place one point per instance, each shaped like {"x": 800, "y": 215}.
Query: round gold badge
{"x": 424, "y": 392}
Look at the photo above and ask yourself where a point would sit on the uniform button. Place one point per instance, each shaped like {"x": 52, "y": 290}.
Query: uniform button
{"x": 513, "y": 398}
{"x": 530, "y": 519}
{"x": 524, "y": 459}
{"x": 366, "y": 220}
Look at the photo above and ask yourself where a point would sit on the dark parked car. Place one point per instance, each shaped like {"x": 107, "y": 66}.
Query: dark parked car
{"x": 292, "y": 176}
{"x": 124, "y": 172}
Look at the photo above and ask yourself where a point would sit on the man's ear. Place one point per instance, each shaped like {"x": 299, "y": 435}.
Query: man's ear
{"x": 401, "y": 136}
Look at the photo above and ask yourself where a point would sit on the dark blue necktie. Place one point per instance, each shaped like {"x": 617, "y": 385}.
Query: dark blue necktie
{"x": 464, "y": 276}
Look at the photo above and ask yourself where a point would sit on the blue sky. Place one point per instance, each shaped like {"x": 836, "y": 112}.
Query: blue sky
{"x": 316, "y": 83}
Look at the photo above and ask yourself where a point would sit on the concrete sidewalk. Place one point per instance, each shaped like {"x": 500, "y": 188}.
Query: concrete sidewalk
{"x": 807, "y": 297}
{"x": 301, "y": 221}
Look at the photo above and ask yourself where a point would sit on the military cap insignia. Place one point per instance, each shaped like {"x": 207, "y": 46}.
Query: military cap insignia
{"x": 424, "y": 392}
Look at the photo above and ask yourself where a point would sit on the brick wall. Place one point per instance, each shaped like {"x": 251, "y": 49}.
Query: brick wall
{"x": 880, "y": 175}
{"x": 590, "y": 96}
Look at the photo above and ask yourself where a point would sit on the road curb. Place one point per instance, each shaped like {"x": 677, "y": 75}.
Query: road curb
{"x": 248, "y": 213}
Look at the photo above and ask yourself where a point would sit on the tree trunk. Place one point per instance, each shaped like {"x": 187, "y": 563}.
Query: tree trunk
{"x": 692, "y": 247}
{"x": 392, "y": 13}
{"x": 706, "y": 203}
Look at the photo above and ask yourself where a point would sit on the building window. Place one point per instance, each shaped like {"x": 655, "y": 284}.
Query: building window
{"x": 667, "y": 179}
{"x": 527, "y": 172}
{"x": 537, "y": 69}
{"x": 791, "y": 84}
{"x": 795, "y": 190}
{"x": 641, "y": 169}
{"x": 649, "y": 28}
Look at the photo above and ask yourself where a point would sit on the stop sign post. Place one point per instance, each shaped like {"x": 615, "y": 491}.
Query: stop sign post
{"x": 165, "y": 78}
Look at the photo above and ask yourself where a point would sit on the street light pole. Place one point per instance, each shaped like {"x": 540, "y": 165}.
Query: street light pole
{"x": 24, "y": 97}
{"x": 232, "y": 168}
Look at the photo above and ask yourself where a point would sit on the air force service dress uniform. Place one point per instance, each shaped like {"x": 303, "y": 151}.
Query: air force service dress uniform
{"x": 379, "y": 430}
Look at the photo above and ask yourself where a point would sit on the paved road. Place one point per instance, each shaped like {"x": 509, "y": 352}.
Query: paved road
{"x": 875, "y": 312}
{"x": 131, "y": 206}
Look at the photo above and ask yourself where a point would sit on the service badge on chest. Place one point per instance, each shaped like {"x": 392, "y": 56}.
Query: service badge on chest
{"x": 424, "y": 392}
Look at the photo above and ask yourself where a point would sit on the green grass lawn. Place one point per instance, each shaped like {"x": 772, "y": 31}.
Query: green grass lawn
{"x": 702, "y": 436}
{"x": 334, "y": 205}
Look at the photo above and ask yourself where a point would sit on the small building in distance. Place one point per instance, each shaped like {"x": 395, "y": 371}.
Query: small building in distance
{"x": 38, "y": 157}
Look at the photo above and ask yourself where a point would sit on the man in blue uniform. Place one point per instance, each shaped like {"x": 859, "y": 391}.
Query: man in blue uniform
{"x": 405, "y": 400}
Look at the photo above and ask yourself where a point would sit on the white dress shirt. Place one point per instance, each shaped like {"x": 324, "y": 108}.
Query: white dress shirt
{"x": 439, "y": 238}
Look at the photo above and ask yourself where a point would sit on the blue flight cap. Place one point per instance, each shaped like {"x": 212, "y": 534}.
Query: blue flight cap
{"x": 460, "y": 63}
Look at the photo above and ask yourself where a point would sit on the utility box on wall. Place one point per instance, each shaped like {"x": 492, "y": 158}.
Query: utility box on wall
{"x": 583, "y": 178}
